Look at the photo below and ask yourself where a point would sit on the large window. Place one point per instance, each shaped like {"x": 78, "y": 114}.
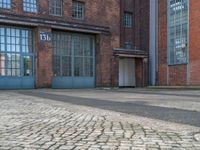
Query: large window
{"x": 128, "y": 19}
{"x": 16, "y": 49}
{"x": 73, "y": 55}
{"x": 55, "y": 7}
{"x": 5, "y": 4}
{"x": 77, "y": 10}
{"x": 30, "y": 6}
{"x": 177, "y": 31}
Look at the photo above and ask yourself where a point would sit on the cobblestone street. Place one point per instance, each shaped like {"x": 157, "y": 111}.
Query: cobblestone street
{"x": 32, "y": 122}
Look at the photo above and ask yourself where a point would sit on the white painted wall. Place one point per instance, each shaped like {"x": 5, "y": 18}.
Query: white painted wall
{"x": 127, "y": 72}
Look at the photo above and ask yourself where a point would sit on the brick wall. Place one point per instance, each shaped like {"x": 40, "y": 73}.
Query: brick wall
{"x": 139, "y": 72}
{"x": 178, "y": 75}
{"x": 98, "y": 13}
{"x": 105, "y": 63}
{"x": 162, "y": 43}
{"x": 194, "y": 46}
{"x": 139, "y": 34}
{"x": 43, "y": 59}
{"x": 172, "y": 75}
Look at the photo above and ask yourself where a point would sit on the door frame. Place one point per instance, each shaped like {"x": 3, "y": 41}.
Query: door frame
{"x": 124, "y": 78}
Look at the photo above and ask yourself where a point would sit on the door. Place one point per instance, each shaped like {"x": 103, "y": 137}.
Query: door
{"x": 73, "y": 60}
{"x": 16, "y": 58}
{"x": 127, "y": 72}
{"x": 27, "y": 71}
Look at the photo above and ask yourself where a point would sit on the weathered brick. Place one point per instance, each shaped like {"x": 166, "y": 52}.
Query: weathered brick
{"x": 185, "y": 74}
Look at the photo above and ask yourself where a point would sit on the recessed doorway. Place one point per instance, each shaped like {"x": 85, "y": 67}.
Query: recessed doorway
{"x": 127, "y": 72}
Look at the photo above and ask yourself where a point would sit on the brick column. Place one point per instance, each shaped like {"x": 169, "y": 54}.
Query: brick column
{"x": 115, "y": 71}
{"x": 43, "y": 57}
{"x": 103, "y": 61}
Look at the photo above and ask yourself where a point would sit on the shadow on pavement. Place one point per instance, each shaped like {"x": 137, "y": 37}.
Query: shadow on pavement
{"x": 155, "y": 112}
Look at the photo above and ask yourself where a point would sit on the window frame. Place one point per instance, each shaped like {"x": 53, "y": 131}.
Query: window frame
{"x": 13, "y": 36}
{"x": 25, "y": 10}
{"x": 83, "y": 9}
{"x": 128, "y": 19}
{"x": 80, "y": 52}
{"x": 55, "y": 8}
{"x": 173, "y": 55}
{"x": 6, "y": 8}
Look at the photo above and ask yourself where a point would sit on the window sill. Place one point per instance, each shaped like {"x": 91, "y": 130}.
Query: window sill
{"x": 35, "y": 13}
{"x": 78, "y": 19}
{"x": 60, "y": 16}
{"x": 171, "y": 65}
{"x": 1, "y": 8}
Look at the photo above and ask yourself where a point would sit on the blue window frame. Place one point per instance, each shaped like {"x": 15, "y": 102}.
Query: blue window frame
{"x": 73, "y": 55}
{"x": 16, "y": 52}
{"x": 177, "y": 32}
{"x": 30, "y": 6}
{"x": 6, "y": 4}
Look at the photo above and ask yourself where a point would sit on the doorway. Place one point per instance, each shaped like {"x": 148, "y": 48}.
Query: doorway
{"x": 127, "y": 72}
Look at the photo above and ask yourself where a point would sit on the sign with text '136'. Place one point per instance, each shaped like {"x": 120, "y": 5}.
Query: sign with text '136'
{"x": 45, "y": 36}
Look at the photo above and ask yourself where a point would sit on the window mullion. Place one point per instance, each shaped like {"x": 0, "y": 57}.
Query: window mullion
{"x": 181, "y": 28}
{"x": 175, "y": 42}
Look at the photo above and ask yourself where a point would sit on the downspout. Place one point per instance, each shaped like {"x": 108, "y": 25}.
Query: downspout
{"x": 153, "y": 60}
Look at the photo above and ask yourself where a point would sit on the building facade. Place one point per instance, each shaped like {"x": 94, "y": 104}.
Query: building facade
{"x": 132, "y": 56}
{"x": 73, "y": 43}
{"x": 176, "y": 52}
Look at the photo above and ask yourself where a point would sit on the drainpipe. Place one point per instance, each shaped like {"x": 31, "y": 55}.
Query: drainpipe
{"x": 153, "y": 42}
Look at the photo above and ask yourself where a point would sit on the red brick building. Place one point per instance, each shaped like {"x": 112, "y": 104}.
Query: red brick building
{"x": 132, "y": 56}
{"x": 73, "y": 43}
{"x": 177, "y": 54}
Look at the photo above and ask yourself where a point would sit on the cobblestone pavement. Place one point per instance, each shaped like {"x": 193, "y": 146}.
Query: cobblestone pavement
{"x": 28, "y": 122}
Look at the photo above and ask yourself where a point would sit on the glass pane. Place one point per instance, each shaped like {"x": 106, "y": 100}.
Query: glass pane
{"x": 8, "y": 72}
{"x": 87, "y": 66}
{"x": 77, "y": 10}
{"x": 30, "y": 5}
{"x": 78, "y": 51}
{"x": 56, "y": 65}
{"x": 66, "y": 46}
{"x": 28, "y": 66}
{"x": 66, "y": 66}
{"x": 2, "y": 61}
{"x": 5, "y": 4}
{"x": 178, "y": 31}
{"x": 2, "y": 72}
{"x": 78, "y": 66}
{"x": 14, "y": 42}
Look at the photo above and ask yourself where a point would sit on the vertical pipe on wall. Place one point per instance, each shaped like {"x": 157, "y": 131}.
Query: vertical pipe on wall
{"x": 153, "y": 42}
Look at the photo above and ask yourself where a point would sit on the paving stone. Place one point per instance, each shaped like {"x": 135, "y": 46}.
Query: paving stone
{"x": 197, "y": 137}
{"x": 33, "y": 123}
